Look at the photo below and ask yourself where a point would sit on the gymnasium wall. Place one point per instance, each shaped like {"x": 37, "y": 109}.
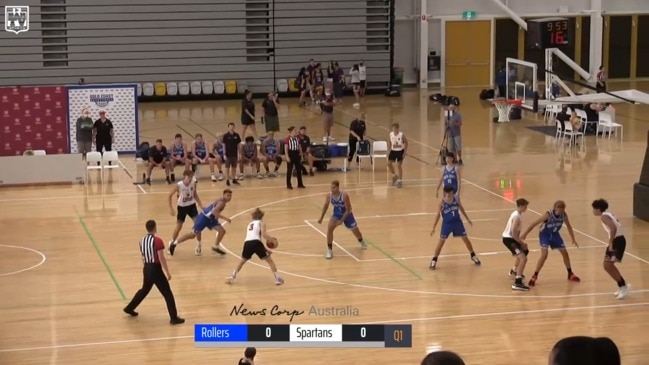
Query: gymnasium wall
{"x": 137, "y": 41}
{"x": 406, "y": 30}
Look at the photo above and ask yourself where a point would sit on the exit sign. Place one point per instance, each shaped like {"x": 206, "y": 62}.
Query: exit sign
{"x": 469, "y": 14}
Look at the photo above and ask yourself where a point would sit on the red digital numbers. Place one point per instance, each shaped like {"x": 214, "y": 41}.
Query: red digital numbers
{"x": 558, "y": 37}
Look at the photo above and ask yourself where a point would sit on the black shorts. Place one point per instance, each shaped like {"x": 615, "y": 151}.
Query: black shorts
{"x": 514, "y": 247}
{"x": 254, "y": 247}
{"x": 183, "y": 212}
{"x": 231, "y": 161}
{"x": 395, "y": 156}
{"x": 619, "y": 245}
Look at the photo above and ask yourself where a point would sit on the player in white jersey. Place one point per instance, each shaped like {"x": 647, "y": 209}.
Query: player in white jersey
{"x": 512, "y": 240}
{"x": 616, "y": 245}
{"x": 188, "y": 204}
{"x": 398, "y": 151}
{"x": 253, "y": 245}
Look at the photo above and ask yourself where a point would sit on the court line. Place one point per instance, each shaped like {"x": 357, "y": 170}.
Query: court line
{"x": 101, "y": 256}
{"x": 42, "y": 255}
{"x": 391, "y": 258}
{"x": 334, "y": 241}
{"x": 419, "y": 319}
{"x": 243, "y": 188}
{"x": 510, "y": 313}
{"x": 492, "y": 253}
{"x": 131, "y": 176}
{"x": 506, "y": 199}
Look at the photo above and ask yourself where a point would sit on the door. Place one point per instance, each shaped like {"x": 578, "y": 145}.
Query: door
{"x": 468, "y": 53}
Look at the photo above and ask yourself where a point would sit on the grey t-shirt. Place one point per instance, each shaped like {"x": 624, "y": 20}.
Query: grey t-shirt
{"x": 454, "y": 123}
{"x": 84, "y": 129}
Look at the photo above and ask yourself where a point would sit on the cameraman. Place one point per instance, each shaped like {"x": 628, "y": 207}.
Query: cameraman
{"x": 454, "y": 132}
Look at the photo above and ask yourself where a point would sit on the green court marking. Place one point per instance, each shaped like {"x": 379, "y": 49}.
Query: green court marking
{"x": 101, "y": 256}
{"x": 393, "y": 259}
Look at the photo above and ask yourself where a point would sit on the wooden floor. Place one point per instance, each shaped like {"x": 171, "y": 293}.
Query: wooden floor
{"x": 69, "y": 260}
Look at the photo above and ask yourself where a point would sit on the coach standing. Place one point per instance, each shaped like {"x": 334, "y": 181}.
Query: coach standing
{"x": 152, "y": 250}
{"x": 293, "y": 155}
{"x": 231, "y": 141}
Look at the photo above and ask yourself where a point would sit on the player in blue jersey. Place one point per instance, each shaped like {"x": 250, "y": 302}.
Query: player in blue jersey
{"x": 342, "y": 214}
{"x": 549, "y": 237}
{"x": 200, "y": 154}
{"x": 178, "y": 155}
{"x": 208, "y": 218}
{"x": 450, "y": 175}
{"x": 249, "y": 156}
{"x": 449, "y": 211}
{"x": 270, "y": 150}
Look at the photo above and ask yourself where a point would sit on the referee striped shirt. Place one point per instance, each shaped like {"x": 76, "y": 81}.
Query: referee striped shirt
{"x": 293, "y": 143}
{"x": 149, "y": 246}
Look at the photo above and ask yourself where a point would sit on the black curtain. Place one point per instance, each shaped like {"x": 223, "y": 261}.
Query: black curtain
{"x": 585, "y": 43}
{"x": 642, "y": 59}
{"x": 619, "y": 48}
{"x": 506, "y": 40}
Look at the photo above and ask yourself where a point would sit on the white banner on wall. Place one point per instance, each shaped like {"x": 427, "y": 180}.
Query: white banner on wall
{"x": 120, "y": 104}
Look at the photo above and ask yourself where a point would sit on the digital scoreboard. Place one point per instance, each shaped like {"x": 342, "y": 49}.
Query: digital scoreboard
{"x": 548, "y": 33}
{"x": 303, "y": 336}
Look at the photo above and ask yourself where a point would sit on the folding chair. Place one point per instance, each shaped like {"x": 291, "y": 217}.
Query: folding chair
{"x": 93, "y": 161}
{"x": 110, "y": 160}
{"x": 379, "y": 150}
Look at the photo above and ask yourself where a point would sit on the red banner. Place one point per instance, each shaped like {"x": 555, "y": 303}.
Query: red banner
{"x": 33, "y": 118}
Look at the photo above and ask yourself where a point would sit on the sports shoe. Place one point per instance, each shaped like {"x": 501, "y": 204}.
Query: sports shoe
{"x": 394, "y": 179}
{"x": 230, "y": 279}
{"x": 573, "y": 277}
{"x": 172, "y": 248}
{"x": 399, "y": 183}
{"x": 218, "y": 250}
{"x": 198, "y": 250}
{"x": 279, "y": 281}
{"x": 329, "y": 255}
{"x": 433, "y": 264}
{"x": 221, "y": 176}
{"x": 260, "y": 175}
{"x": 363, "y": 245}
{"x": 623, "y": 292}
{"x": 177, "y": 320}
{"x": 476, "y": 260}
{"x": 533, "y": 280}
{"x": 520, "y": 287}
{"x": 213, "y": 177}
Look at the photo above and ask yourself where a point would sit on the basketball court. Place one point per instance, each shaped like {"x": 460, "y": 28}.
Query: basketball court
{"x": 69, "y": 255}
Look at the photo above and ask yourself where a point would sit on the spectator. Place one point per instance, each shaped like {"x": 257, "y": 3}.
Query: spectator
{"x": 582, "y": 350}
{"x": 362, "y": 75}
{"x": 248, "y": 356}
{"x": 302, "y": 84}
{"x": 338, "y": 83}
{"x": 356, "y": 84}
{"x": 84, "y": 133}
{"x": 248, "y": 114}
{"x": 600, "y": 87}
{"x": 103, "y": 133}
{"x": 305, "y": 148}
{"x": 454, "y": 132}
{"x": 271, "y": 116}
{"x": 442, "y": 358}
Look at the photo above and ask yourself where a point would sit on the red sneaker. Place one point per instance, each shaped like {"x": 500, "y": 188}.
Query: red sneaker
{"x": 573, "y": 277}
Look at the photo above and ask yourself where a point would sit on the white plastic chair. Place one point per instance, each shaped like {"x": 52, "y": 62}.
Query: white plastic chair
{"x": 242, "y": 86}
{"x": 110, "y": 160}
{"x": 282, "y": 85}
{"x": 93, "y": 161}
{"x": 208, "y": 87}
{"x": 196, "y": 88}
{"x": 551, "y": 111}
{"x": 379, "y": 150}
{"x": 40, "y": 153}
{"x": 559, "y": 132}
{"x": 605, "y": 125}
{"x": 172, "y": 88}
{"x": 183, "y": 88}
{"x": 148, "y": 89}
{"x": 219, "y": 87}
{"x": 571, "y": 134}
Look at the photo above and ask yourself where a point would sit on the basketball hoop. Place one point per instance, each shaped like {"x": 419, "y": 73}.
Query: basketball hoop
{"x": 504, "y": 107}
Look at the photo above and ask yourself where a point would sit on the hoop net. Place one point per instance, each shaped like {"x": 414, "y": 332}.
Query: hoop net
{"x": 505, "y": 106}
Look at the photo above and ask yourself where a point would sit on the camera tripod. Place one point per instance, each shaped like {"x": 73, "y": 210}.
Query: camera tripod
{"x": 443, "y": 148}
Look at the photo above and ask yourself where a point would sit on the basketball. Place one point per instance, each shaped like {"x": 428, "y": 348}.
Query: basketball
{"x": 272, "y": 243}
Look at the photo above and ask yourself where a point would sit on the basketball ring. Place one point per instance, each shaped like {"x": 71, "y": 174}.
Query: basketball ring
{"x": 504, "y": 107}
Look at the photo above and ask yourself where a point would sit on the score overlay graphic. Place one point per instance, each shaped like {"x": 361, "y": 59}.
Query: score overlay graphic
{"x": 303, "y": 336}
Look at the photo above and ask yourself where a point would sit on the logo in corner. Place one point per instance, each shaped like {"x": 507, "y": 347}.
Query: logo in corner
{"x": 16, "y": 19}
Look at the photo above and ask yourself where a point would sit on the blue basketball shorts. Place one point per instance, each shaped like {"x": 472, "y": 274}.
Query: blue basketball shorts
{"x": 203, "y": 221}
{"x": 455, "y": 228}
{"x": 350, "y": 221}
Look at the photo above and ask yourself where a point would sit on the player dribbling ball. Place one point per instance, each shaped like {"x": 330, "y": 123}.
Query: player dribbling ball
{"x": 272, "y": 243}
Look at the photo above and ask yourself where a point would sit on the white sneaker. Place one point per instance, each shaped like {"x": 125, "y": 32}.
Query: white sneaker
{"x": 230, "y": 279}
{"x": 623, "y": 292}
{"x": 198, "y": 250}
{"x": 260, "y": 176}
{"x": 221, "y": 177}
{"x": 213, "y": 177}
{"x": 329, "y": 255}
{"x": 279, "y": 281}
{"x": 363, "y": 245}
{"x": 433, "y": 264}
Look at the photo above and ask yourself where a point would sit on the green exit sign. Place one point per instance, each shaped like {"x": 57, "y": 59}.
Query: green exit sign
{"x": 469, "y": 14}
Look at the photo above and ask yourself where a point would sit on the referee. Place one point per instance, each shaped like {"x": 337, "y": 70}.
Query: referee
{"x": 152, "y": 250}
{"x": 293, "y": 154}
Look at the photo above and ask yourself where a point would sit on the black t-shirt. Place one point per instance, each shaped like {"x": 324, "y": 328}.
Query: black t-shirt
{"x": 270, "y": 108}
{"x": 231, "y": 142}
{"x": 250, "y": 107}
{"x": 158, "y": 155}
{"x": 305, "y": 142}
{"x": 591, "y": 114}
{"x": 358, "y": 126}
{"x": 103, "y": 129}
